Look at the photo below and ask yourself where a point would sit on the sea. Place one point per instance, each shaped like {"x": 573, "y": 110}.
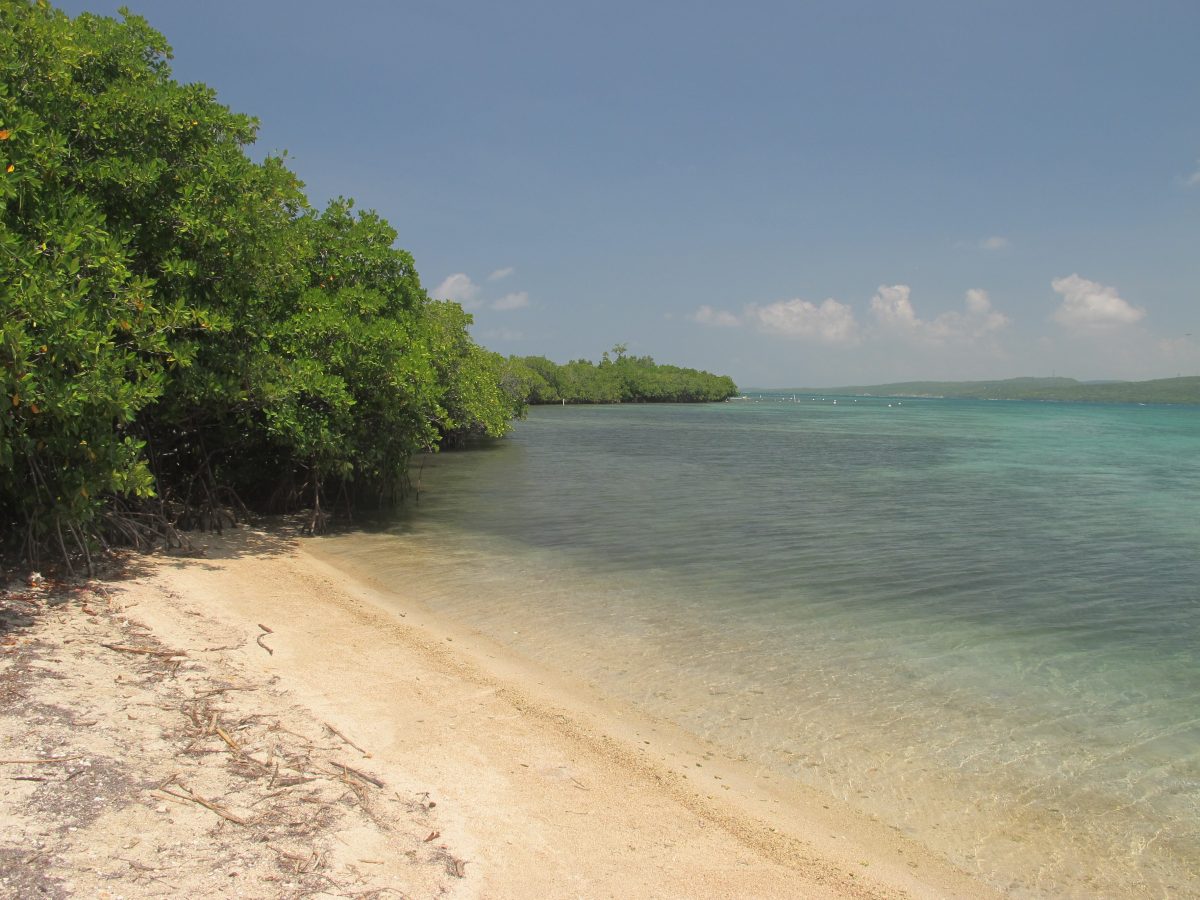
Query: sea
{"x": 975, "y": 621}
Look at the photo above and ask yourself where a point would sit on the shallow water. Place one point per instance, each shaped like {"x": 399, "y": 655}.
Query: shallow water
{"x": 977, "y": 621}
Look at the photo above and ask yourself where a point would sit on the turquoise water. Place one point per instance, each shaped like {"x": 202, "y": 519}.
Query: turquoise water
{"x": 976, "y": 621}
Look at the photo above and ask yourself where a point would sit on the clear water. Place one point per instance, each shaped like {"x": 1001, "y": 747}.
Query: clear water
{"x": 977, "y": 621}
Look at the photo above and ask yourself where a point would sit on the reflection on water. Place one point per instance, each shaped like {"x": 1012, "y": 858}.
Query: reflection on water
{"x": 977, "y": 621}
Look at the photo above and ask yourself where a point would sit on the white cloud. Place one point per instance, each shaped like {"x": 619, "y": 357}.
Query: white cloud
{"x": 894, "y": 313}
{"x": 706, "y": 315}
{"x": 978, "y": 320}
{"x": 978, "y": 302}
{"x": 1193, "y": 180}
{"x": 833, "y": 323}
{"x": 517, "y": 300}
{"x": 459, "y": 288}
{"x": 1087, "y": 304}
{"x": 995, "y": 242}
{"x": 830, "y": 322}
{"x": 893, "y": 309}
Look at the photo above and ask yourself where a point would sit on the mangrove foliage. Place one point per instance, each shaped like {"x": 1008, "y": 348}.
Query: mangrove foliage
{"x": 617, "y": 378}
{"x": 181, "y": 333}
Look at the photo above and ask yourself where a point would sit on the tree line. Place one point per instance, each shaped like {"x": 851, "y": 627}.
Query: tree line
{"x": 183, "y": 337}
{"x": 181, "y": 332}
{"x": 617, "y": 378}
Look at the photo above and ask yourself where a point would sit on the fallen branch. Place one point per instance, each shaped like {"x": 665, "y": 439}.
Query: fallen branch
{"x": 259, "y": 640}
{"x": 34, "y": 762}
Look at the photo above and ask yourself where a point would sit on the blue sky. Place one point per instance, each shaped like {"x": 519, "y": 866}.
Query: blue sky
{"x": 791, "y": 193}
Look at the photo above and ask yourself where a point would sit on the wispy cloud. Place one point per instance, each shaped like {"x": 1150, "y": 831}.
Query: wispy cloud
{"x": 977, "y": 319}
{"x": 459, "y": 288}
{"x": 895, "y": 315}
{"x": 516, "y": 300}
{"x": 991, "y": 244}
{"x": 719, "y": 318}
{"x": 502, "y": 334}
{"x": 830, "y": 322}
{"x": 501, "y": 274}
{"x": 1193, "y": 180}
{"x": 1090, "y": 305}
{"x": 1179, "y": 349}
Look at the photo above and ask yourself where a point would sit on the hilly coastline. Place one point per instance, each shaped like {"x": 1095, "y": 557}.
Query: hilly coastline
{"x": 1162, "y": 390}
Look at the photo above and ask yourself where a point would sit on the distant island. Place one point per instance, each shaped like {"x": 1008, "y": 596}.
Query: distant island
{"x": 1161, "y": 390}
{"x": 617, "y": 378}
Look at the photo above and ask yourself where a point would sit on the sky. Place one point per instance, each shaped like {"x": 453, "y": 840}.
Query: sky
{"x": 794, "y": 194}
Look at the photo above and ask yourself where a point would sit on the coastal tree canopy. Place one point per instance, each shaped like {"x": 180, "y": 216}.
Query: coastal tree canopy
{"x": 179, "y": 328}
{"x": 617, "y": 378}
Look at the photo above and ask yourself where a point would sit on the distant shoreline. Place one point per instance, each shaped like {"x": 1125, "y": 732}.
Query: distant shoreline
{"x": 1184, "y": 390}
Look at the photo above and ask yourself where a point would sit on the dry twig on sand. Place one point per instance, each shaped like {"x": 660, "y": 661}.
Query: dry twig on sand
{"x": 259, "y": 640}
{"x": 196, "y": 798}
{"x": 144, "y": 650}
{"x": 365, "y": 754}
{"x": 357, "y": 774}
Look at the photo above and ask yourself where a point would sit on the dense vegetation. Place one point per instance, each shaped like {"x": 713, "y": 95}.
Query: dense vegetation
{"x": 179, "y": 330}
{"x": 1162, "y": 390}
{"x": 617, "y": 378}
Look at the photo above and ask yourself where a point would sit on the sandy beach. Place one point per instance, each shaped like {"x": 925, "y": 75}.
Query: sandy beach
{"x": 254, "y": 722}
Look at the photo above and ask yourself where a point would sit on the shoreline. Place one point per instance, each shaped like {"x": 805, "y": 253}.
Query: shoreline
{"x": 789, "y": 823}
{"x": 543, "y": 787}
